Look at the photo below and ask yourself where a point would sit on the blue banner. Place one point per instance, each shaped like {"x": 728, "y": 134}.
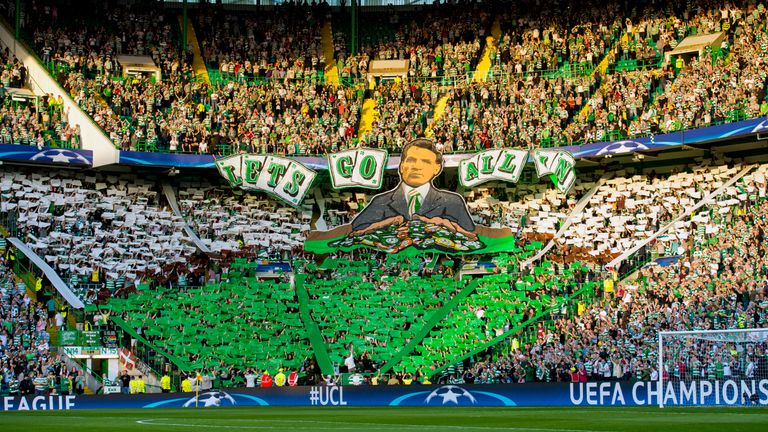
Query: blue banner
{"x": 658, "y": 142}
{"x": 279, "y": 267}
{"x": 670, "y": 140}
{"x": 176, "y": 160}
{"x": 48, "y": 155}
{"x": 641, "y": 393}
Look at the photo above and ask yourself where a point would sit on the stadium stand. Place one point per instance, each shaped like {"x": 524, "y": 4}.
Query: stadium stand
{"x": 443, "y": 43}
{"x": 91, "y": 228}
{"x": 604, "y": 78}
{"x": 568, "y": 313}
{"x": 628, "y": 209}
{"x": 243, "y": 223}
{"x": 27, "y": 118}
{"x": 350, "y": 298}
{"x": 532, "y": 211}
{"x": 29, "y": 365}
{"x": 239, "y": 322}
{"x": 500, "y": 305}
{"x": 283, "y": 43}
{"x": 555, "y": 40}
{"x": 14, "y": 74}
{"x": 718, "y": 285}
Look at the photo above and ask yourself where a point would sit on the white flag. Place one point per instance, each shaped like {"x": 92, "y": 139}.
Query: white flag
{"x": 543, "y": 161}
{"x": 469, "y": 174}
{"x": 510, "y": 164}
{"x": 362, "y": 167}
{"x": 231, "y": 169}
{"x": 341, "y": 166}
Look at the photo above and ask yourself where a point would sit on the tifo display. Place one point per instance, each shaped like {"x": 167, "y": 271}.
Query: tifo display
{"x": 458, "y": 204}
{"x": 289, "y": 180}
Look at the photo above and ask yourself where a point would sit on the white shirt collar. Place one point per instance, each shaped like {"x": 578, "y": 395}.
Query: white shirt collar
{"x": 423, "y": 190}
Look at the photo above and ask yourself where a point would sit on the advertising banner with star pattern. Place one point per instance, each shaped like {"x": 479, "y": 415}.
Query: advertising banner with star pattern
{"x": 755, "y": 126}
{"x": 45, "y": 155}
{"x": 616, "y": 394}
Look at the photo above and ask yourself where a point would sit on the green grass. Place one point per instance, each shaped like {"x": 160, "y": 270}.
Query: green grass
{"x": 401, "y": 419}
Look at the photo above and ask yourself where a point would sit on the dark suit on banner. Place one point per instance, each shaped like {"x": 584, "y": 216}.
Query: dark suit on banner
{"x": 437, "y": 203}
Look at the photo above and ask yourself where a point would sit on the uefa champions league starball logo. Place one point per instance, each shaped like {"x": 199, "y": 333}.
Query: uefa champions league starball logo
{"x": 762, "y": 127}
{"x": 620, "y": 147}
{"x": 60, "y": 156}
{"x": 211, "y": 399}
{"x": 451, "y": 394}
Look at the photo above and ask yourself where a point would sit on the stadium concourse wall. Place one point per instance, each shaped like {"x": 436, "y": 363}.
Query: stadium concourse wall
{"x": 41, "y": 82}
{"x": 658, "y": 142}
{"x": 618, "y": 394}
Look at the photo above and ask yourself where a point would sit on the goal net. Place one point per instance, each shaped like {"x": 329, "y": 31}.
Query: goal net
{"x": 713, "y": 367}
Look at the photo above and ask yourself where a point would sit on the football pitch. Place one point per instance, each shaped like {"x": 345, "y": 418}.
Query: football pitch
{"x": 403, "y": 419}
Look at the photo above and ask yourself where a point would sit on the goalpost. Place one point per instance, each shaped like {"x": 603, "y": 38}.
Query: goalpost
{"x": 713, "y": 367}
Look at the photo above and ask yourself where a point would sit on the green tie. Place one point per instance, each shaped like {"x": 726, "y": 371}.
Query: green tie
{"x": 414, "y": 202}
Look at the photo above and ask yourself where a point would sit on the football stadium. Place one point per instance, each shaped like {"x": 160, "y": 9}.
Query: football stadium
{"x": 380, "y": 215}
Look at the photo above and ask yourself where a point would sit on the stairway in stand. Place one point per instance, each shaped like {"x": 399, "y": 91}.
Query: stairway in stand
{"x": 331, "y": 72}
{"x": 437, "y": 114}
{"x": 198, "y": 65}
{"x": 367, "y": 117}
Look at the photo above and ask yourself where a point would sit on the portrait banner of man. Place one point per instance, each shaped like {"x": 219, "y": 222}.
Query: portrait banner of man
{"x": 415, "y": 216}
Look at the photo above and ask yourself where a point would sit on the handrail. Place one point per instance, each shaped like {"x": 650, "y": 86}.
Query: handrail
{"x": 60, "y": 286}
{"x": 688, "y": 211}
{"x": 84, "y": 367}
{"x": 511, "y": 331}
{"x": 179, "y": 363}
{"x": 315, "y": 338}
{"x": 435, "y": 319}
{"x": 577, "y": 209}
{"x": 33, "y": 55}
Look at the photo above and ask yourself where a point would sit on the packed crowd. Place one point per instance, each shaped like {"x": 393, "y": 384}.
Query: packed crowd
{"x": 620, "y": 99}
{"x": 536, "y": 40}
{"x": 282, "y": 43}
{"x": 84, "y": 56}
{"x": 242, "y": 223}
{"x": 444, "y": 41}
{"x": 532, "y": 211}
{"x": 715, "y": 89}
{"x": 528, "y": 112}
{"x": 607, "y": 336}
{"x": 625, "y": 210}
{"x": 92, "y": 42}
{"x": 28, "y": 365}
{"x": 350, "y": 296}
{"x": 14, "y": 74}
{"x": 402, "y": 113}
{"x": 234, "y": 319}
{"x": 42, "y": 125}
{"x": 720, "y": 282}
{"x": 270, "y": 96}
{"x": 91, "y": 228}
{"x": 24, "y": 121}
{"x": 712, "y": 88}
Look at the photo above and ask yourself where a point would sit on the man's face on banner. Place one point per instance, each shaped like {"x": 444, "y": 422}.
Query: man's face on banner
{"x": 418, "y": 166}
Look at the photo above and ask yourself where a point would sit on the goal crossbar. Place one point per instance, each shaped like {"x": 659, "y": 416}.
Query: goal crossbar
{"x": 752, "y": 335}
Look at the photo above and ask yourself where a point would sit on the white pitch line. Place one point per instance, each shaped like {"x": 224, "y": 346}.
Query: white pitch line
{"x": 353, "y": 425}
